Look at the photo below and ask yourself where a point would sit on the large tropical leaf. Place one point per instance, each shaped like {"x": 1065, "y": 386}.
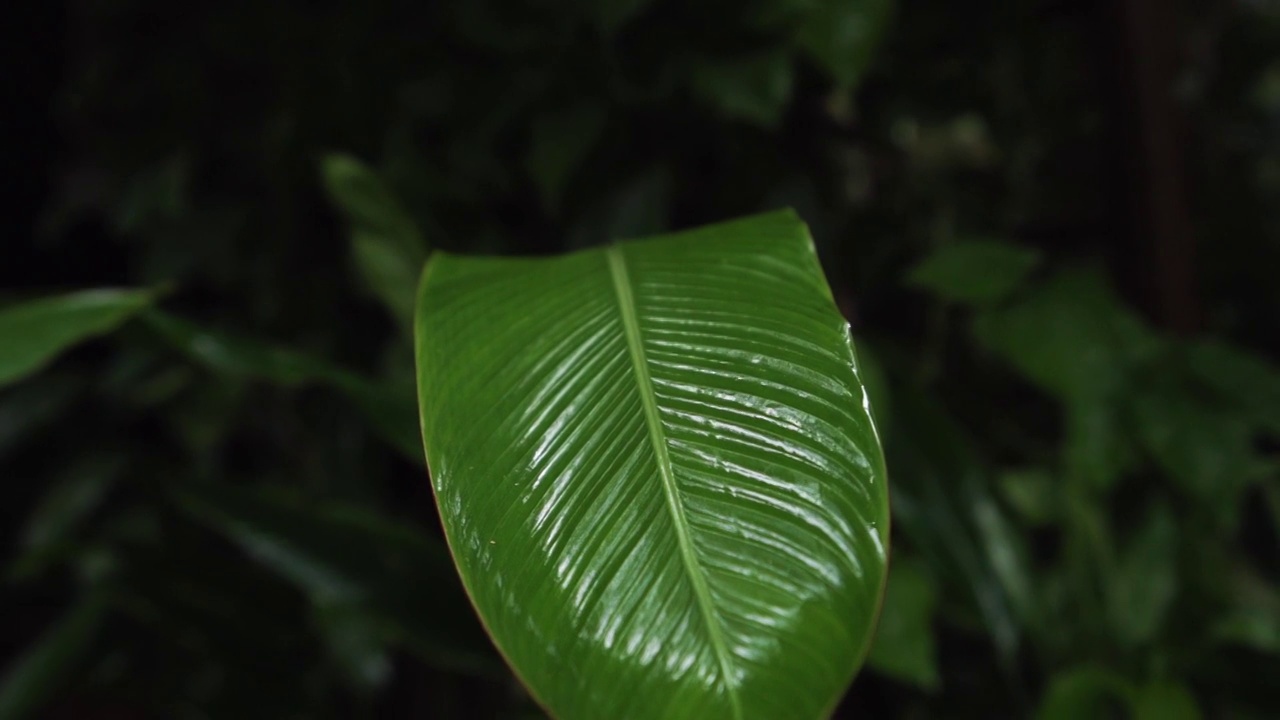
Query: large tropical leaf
{"x": 658, "y": 471}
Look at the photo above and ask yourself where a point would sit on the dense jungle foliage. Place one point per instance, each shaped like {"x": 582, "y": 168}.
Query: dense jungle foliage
{"x": 1054, "y": 227}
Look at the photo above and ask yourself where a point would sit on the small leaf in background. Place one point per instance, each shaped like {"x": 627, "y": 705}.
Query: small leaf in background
{"x": 41, "y": 674}
{"x": 609, "y": 15}
{"x": 343, "y": 556}
{"x": 1071, "y": 336}
{"x": 843, "y": 35}
{"x": 27, "y": 408}
{"x": 1033, "y": 494}
{"x": 975, "y": 272}
{"x": 755, "y": 89}
{"x": 938, "y": 483}
{"x": 1099, "y": 449}
{"x": 157, "y": 193}
{"x": 1076, "y": 340}
{"x": 356, "y": 642}
{"x": 560, "y": 142}
{"x": 1253, "y": 621}
{"x": 387, "y": 245}
{"x": 390, "y": 409}
{"x": 1089, "y": 692}
{"x": 391, "y": 273}
{"x": 1251, "y": 627}
{"x": 52, "y": 524}
{"x": 1007, "y": 554}
{"x": 903, "y": 648}
{"x": 1208, "y": 452}
{"x": 1164, "y": 701}
{"x": 34, "y": 332}
{"x": 1145, "y": 581}
{"x": 235, "y": 357}
{"x": 1245, "y": 380}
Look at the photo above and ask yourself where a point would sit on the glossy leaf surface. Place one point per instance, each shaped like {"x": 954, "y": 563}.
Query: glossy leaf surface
{"x": 657, "y": 471}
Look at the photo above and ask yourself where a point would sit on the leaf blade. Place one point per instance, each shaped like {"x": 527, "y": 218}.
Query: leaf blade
{"x": 32, "y": 680}
{"x": 546, "y": 449}
{"x": 33, "y": 333}
{"x": 657, "y": 436}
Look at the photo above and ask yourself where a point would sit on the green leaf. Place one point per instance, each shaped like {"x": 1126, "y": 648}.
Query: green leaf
{"x": 1073, "y": 336}
{"x": 1250, "y": 627}
{"x": 386, "y": 244}
{"x": 843, "y": 35}
{"x": 560, "y": 142}
{"x": 356, "y": 641}
{"x": 1076, "y": 340}
{"x": 1164, "y": 701}
{"x": 939, "y": 497}
{"x": 344, "y": 557}
{"x": 389, "y": 271}
{"x": 154, "y": 194}
{"x": 29, "y": 408}
{"x": 33, "y": 333}
{"x": 1253, "y": 620}
{"x": 975, "y": 272}
{"x": 609, "y": 15}
{"x": 1006, "y": 553}
{"x": 1145, "y": 581}
{"x": 42, "y": 672}
{"x": 1033, "y": 493}
{"x": 755, "y": 89}
{"x": 1246, "y": 381}
{"x": 1087, "y": 692}
{"x": 1206, "y": 450}
{"x": 389, "y": 408}
{"x": 51, "y": 525}
{"x": 657, "y": 470}
{"x": 903, "y": 647}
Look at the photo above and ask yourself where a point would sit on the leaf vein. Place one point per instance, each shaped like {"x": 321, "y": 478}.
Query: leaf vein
{"x": 657, "y": 436}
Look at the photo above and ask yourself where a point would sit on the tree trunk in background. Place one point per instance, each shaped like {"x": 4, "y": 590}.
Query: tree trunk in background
{"x": 1159, "y": 200}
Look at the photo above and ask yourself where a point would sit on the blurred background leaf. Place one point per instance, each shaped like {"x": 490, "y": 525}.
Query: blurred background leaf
{"x": 386, "y": 245}
{"x": 42, "y": 673}
{"x": 1165, "y": 701}
{"x": 753, "y": 88}
{"x": 36, "y": 331}
{"x": 368, "y": 578}
{"x": 904, "y": 646}
{"x": 1085, "y": 692}
{"x": 977, "y": 272}
{"x": 843, "y": 35}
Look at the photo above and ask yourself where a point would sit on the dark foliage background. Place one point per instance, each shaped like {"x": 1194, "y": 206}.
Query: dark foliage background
{"x": 1055, "y": 227}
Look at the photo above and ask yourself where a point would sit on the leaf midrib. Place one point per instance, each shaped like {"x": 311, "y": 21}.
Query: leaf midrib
{"x": 657, "y": 437}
